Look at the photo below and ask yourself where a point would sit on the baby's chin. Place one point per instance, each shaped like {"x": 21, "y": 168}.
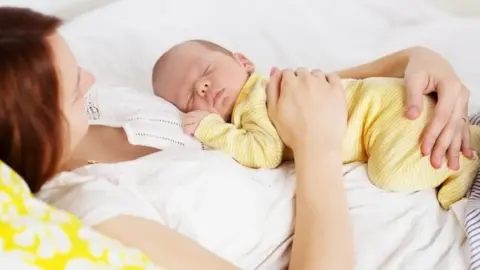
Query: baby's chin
{"x": 225, "y": 115}
{"x": 226, "y": 112}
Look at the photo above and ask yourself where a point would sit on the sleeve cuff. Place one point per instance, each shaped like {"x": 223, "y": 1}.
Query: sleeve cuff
{"x": 207, "y": 124}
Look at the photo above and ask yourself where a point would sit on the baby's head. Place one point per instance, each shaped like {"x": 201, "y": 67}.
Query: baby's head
{"x": 201, "y": 75}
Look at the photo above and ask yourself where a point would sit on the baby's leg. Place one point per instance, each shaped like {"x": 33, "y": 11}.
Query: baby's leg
{"x": 396, "y": 163}
{"x": 395, "y": 160}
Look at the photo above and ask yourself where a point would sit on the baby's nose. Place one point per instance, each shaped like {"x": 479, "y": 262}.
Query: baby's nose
{"x": 202, "y": 87}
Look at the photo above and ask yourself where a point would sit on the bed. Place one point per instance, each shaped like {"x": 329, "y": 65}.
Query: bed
{"x": 120, "y": 41}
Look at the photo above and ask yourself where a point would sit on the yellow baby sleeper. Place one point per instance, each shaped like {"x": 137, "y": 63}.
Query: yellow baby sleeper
{"x": 250, "y": 138}
{"x": 377, "y": 133}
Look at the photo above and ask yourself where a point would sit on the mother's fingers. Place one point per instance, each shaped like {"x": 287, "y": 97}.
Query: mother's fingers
{"x": 318, "y": 73}
{"x": 446, "y": 140}
{"x": 453, "y": 152}
{"x": 322, "y": 77}
{"x": 302, "y": 72}
{"x": 447, "y": 101}
{"x": 273, "y": 91}
{"x": 288, "y": 74}
{"x": 465, "y": 146}
{"x": 288, "y": 78}
{"x": 334, "y": 80}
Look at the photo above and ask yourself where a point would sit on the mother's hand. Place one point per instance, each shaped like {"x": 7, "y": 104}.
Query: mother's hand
{"x": 449, "y": 132}
{"x": 307, "y": 108}
{"x": 309, "y": 112}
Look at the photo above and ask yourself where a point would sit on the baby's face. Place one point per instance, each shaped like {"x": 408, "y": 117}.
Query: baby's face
{"x": 198, "y": 78}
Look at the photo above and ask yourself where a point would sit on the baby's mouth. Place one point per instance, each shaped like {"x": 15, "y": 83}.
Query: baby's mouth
{"x": 218, "y": 97}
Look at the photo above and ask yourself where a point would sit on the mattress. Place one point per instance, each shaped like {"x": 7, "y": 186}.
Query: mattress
{"x": 119, "y": 43}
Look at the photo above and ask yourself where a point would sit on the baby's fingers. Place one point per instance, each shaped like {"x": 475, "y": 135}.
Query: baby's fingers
{"x": 188, "y": 119}
{"x": 189, "y": 128}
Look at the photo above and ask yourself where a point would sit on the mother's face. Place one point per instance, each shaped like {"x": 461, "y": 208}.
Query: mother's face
{"x": 74, "y": 83}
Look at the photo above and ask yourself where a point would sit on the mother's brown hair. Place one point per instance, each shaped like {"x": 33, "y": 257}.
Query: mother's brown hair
{"x": 31, "y": 129}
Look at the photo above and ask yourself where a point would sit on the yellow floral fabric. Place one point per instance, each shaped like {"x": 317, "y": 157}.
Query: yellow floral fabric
{"x": 34, "y": 235}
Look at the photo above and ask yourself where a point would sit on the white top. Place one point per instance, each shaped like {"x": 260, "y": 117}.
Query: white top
{"x": 242, "y": 215}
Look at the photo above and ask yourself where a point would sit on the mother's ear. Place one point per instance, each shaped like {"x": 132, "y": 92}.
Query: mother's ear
{"x": 244, "y": 61}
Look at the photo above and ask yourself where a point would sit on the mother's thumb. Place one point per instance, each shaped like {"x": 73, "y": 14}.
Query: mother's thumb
{"x": 415, "y": 87}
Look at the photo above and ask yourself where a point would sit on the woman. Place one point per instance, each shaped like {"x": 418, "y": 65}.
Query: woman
{"x": 44, "y": 131}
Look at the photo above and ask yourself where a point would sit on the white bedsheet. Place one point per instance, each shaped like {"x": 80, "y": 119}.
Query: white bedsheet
{"x": 245, "y": 215}
{"x": 120, "y": 42}
{"x": 241, "y": 214}
{"x": 403, "y": 231}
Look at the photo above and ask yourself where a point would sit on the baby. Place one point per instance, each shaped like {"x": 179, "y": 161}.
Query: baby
{"x": 225, "y": 104}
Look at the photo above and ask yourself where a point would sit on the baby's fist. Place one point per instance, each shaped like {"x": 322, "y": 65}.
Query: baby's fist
{"x": 191, "y": 121}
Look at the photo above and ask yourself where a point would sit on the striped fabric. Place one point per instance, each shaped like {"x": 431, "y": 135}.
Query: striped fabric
{"x": 472, "y": 215}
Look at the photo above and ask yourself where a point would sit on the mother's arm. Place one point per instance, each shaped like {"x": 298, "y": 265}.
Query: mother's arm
{"x": 165, "y": 247}
{"x": 392, "y": 65}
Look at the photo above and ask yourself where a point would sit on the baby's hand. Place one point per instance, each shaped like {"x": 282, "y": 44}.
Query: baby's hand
{"x": 191, "y": 121}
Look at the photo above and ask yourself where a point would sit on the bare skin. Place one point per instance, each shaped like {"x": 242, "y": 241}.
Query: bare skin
{"x": 104, "y": 144}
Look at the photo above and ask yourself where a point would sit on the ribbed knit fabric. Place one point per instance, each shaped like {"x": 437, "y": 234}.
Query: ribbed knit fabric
{"x": 377, "y": 133}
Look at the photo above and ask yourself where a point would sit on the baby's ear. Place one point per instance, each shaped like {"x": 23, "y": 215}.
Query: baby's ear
{"x": 245, "y": 62}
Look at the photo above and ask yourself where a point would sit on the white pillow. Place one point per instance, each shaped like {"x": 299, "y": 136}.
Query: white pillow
{"x": 147, "y": 119}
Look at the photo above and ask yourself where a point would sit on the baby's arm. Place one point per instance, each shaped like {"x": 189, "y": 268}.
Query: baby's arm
{"x": 254, "y": 144}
